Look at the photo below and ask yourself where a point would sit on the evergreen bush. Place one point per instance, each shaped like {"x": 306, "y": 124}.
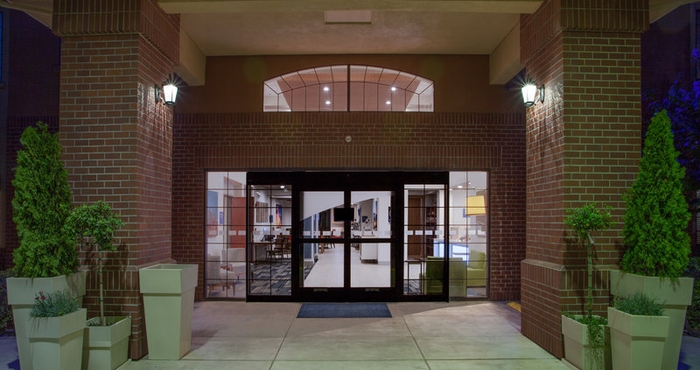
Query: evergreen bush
{"x": 693, "y": 313}
{"x": 657, "y": 216}
{"x": 40, "y": 207}
{"x": 5, "y": 309}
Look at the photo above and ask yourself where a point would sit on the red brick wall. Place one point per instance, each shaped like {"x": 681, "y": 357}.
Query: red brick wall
{"x": 117, "y": 140}
{"x": 380, "y": 141}
{"x": 582, "y": 145}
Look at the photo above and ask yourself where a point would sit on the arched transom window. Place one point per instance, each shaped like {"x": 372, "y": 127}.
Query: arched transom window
{"x": 369, "y": 89}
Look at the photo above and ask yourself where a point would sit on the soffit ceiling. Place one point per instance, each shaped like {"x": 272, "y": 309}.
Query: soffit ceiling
{"x": 298, "y": 27}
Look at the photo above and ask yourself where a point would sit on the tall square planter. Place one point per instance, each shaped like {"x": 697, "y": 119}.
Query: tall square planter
{"x": 106, "y": 347}
{"x": 637, "y": 342}
{"x": 674, "y": 296}
{"x": 168, "y": 299}
{"x": 20, "y": 295}
{"x": 578, "y": 353}
{"x": 57, "y": 342}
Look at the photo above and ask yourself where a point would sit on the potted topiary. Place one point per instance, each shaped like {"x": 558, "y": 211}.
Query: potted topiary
{"x": 56, "y": 331}
{"x": 585, "y": 336}
{"x": 107, "y": 338}
{"x": 46, "y": 259}
{"x": 655, "y": 232}
{"x": 638, "y": 332}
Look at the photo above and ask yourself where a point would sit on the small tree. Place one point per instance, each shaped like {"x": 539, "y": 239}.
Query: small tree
{"x": 40, "y": 207}
{"x": 93, "y": 227}
{"x": 656, "y": 216}
{"x": 584, "y": 220}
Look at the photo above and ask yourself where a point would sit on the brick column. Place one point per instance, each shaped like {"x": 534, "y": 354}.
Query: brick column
{"x": 583, "y": 145}
{"x": 117, "y": 140}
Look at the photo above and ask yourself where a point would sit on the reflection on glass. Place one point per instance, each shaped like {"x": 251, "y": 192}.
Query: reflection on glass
{"x": 325, "y": 255}
{"x": 428, "y": 239}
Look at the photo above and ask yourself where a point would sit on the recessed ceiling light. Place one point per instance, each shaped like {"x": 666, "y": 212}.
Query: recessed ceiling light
{"x": 388, "y": 102}
{"x": 328, "y": 102}
{"x": 326, "y": 88}
{"x": 393, "y": 88}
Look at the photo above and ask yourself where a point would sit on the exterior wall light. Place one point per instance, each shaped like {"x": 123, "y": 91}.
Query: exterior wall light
{"x": 530, "y": 90}
{"x": 168, "y": 93}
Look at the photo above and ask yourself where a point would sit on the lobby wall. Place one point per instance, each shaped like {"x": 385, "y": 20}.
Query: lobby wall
{"x": 475, "y": 126}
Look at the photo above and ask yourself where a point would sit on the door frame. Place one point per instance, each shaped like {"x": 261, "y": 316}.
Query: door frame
{"x": 348, "y": 182}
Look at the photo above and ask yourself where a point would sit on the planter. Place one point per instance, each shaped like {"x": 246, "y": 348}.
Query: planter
{"x": 57, "y": 342}
{"x": 20, "y": 295}
{"x": 106, "y": 347}
{"x": 675, "y": 297}
{"x": 168, "y": 300}
{"x": 637, "y": 342}
{"x": 577, "y": 351}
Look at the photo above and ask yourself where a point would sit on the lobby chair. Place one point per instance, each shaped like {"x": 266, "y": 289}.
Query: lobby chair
{"x": 236, "y": 266}
{"x": 431, "y": 280}
{"x": 476, "y": 269}
{"x": 216, "y": 275}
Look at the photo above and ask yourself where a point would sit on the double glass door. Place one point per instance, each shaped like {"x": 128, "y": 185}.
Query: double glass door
{"x": 348, "y": 245}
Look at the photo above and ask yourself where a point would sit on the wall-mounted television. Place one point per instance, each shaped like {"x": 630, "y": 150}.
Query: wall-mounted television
{"x": 343, "y": 214}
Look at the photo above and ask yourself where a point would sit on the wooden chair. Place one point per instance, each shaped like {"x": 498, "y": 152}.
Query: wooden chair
{"x": 277, "y": 249}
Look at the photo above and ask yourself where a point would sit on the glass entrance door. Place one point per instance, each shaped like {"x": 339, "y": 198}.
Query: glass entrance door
{"x": 348, "y": 248}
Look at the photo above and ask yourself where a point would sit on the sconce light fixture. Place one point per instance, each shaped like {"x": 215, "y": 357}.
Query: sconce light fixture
{"x": 530, "y": 90}
{"x": 168, "y": 93}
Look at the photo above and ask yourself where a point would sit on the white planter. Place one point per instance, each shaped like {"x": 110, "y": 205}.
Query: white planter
{"x": 675, "y": 297}
{"x": 20, "y": 295}
{"x": 168, "y": 300}
{"x": 577, "y": 351}
{"x": 637, "y": 342}
{"x": 106, "y": 347}
{"x": 57, "y": 342}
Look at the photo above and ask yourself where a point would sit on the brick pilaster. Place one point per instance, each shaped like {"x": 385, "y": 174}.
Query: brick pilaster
{"x": 583, "y": 146}
{"x": 117, "y": 141}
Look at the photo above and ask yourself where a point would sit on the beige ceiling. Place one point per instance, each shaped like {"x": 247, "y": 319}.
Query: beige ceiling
{"x": 298, "y": 27}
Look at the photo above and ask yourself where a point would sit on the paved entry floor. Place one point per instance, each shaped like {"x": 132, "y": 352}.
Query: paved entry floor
{"x": 419, "y": 336}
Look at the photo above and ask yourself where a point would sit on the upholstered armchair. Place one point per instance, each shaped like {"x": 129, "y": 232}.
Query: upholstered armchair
{"x": 215, "y": 274}
{"x": 476, "y": 269}
{"x": 431, "y": 281}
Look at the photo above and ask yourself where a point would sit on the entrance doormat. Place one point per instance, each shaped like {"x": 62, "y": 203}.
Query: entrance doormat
{"x": 343, "y": 310}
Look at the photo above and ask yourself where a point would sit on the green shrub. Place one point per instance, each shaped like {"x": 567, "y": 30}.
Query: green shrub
{"x": 5, "y": 309}
{"x": 656, "y": 214}
{"x": 40, "y": 207}
{"x": 693, "y": 312}
{"x": 53, "y": 304}
{"x": 639, "y": 304}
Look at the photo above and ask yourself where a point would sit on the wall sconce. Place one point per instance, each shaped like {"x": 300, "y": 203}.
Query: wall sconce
{"x": 529, "y": 92}
{"x": 168, "y": 93}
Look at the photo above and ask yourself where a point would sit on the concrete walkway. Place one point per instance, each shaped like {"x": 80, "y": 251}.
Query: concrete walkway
{"x": 419, "y": 336}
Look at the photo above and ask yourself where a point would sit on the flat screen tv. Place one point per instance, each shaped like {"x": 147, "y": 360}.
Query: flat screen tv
{"x": 342, "y": 214}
